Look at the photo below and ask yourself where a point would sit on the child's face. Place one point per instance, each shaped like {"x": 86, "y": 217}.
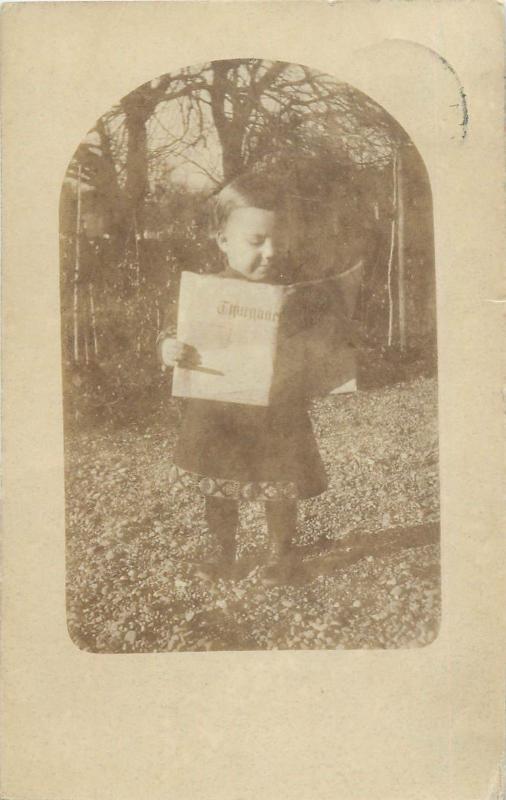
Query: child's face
{"x": 253, "y": 241}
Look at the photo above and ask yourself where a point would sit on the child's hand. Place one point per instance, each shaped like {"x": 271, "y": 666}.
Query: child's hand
{"x": 174, "y": 352}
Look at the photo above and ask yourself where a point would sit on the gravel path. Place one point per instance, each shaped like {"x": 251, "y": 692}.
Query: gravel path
{"x": 370, "y": 542}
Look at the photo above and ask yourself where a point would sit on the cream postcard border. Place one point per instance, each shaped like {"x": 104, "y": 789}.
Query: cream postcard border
{"x": 422, "y": 723}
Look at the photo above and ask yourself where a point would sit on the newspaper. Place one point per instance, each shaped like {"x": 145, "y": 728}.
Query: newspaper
{"x": 261, "y": 344}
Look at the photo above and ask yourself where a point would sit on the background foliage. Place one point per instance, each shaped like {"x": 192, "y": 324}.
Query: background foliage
{"x": 134, "y": 215}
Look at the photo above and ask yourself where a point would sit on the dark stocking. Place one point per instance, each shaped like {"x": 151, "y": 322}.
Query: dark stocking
{"x": 282, "y": 525}
{"x": 284, "y": 565}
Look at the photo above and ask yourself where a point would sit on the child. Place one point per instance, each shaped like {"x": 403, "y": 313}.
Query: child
{"x": 230, "y": 452}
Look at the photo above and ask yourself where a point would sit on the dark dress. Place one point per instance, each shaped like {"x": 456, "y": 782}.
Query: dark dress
{"x": 248, "y": 452}
{"x": 245, "y": 452}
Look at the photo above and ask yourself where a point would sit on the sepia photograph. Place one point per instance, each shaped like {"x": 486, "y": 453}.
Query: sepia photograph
{"x": 249, "y": 361}
{"x": 253, "y": 404}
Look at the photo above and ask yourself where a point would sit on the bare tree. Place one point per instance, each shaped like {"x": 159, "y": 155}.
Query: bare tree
{"x": 253, "y": 107}
{"x": 224, "y": 117}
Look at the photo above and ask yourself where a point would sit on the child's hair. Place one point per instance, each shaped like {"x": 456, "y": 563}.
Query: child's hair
{"x": 255, "y": 189}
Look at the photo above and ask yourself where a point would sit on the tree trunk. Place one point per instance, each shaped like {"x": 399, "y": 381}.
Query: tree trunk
{"x": 232, "y": 161}
{"x": 107, "y": 184}
{"x": 401, "y": 277}
{"x": 137, "y": 159}
{"x": 391, "y": 254}
{"x": 93, "y": 319}
{"x": 158, "y": 324}
{"x": 137, "y": 109}
{"x": 86, "y": 348}
{"x": 232, "y": 129}
{"x": 230, "y": 146}
{"x": 77, "y": 264}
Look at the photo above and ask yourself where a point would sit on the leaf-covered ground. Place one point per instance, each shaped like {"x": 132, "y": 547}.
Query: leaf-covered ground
{"x": 370, "y": 543}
